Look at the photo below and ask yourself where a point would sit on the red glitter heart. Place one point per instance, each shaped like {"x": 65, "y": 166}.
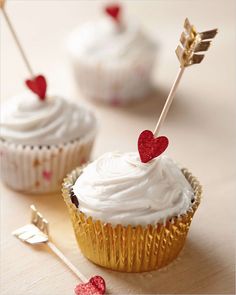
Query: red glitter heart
{"x": 95, "y": 286}
{"x": 113, "y": 11}
{"x": 150, "y": 147}
{"x": 38, "y": 85}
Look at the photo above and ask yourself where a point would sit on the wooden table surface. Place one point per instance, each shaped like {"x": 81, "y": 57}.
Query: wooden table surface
{"x": 200, "y": 126}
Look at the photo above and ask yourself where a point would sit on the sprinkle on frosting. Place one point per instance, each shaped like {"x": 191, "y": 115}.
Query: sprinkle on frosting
{"x": 120, "y": 189}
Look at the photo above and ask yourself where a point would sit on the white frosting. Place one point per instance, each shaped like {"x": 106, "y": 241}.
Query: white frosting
{"x": 27, "y": 120}
{"x": 104, "y": 40}
{"x": 120, "y": 189}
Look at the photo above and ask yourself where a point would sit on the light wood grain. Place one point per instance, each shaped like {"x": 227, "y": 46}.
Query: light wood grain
{"x": 200, "y": 126}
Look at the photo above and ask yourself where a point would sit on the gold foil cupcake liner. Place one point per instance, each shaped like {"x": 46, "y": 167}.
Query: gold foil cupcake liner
{"x": 129, "y": 248}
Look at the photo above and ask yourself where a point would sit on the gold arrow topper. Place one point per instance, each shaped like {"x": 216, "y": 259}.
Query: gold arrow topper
{"x": 193, "y": 42}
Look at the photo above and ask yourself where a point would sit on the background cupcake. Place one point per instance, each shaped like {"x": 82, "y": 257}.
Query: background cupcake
{"x": 42, "y": 140}
{"x": 112, "y": 58}
{"x": 128, "y": 215}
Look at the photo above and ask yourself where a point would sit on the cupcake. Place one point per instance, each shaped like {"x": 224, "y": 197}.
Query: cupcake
{"x": 112, "y": 59}
{"x": 41, "y": 140}
{"x": 128, "y": 215}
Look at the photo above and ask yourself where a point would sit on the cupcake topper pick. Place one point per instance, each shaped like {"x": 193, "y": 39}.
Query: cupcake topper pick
{"x": 37, "y": 232}
{"x": 36, "y": 84}
{"x": 114, "y": 11}
{"x": 192, "y": 42}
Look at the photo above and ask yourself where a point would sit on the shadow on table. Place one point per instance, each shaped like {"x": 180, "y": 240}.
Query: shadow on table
{"x": 183, "y": 276}
{"x": 51, "y": 201}
{"x": 46, "y": 204}
{"x": 151, "y": 106}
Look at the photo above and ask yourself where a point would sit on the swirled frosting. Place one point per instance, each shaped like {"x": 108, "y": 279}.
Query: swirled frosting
{"x": 120, "y": 189}
{"x": 105, "y": 40}
{"x": 27, "y": 120}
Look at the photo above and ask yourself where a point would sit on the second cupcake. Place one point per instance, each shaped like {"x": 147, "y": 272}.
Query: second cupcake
{"x": 112, "y": 59}
{"x": 42, "y": 140}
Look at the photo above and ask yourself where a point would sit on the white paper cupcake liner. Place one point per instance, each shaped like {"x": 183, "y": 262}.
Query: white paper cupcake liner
{"x": 117, "y": 85}
{"x": 35, "y": 169}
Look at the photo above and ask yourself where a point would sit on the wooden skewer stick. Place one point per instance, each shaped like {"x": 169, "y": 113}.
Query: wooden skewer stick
{"x": 26, "y": 61}
{"x": 2, "y": 2}
{"x": 67, "y": 262}
{"x": 192, "y": 42}
{"x": 168, "y": 102}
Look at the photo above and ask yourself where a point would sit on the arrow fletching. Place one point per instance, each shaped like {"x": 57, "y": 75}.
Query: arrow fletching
{"x": 192, "y": 42}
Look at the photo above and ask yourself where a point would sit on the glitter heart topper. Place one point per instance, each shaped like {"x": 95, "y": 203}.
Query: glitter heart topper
{"x": 95, "y": 286}
{"x": 113, "y": 11}
{"x": 150, "y": 147}
{"x": 192, "y": 42}
{"x": 38, "y": 85}
{"x": 37, "y": 232}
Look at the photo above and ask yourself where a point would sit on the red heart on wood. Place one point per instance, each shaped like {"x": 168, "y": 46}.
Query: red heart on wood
{"x": 150, "y": 147}
{"x": 113, "y": 11}
{"x": 38, "y": 85}
{"x": 95, "y": 286}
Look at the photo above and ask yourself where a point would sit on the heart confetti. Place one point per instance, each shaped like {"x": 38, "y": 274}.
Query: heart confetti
{"x": 150, "y": 147}
{"x": 114, "y": 11}
{"x": 95, "y": 286}
{"x": 38, "y": 85}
